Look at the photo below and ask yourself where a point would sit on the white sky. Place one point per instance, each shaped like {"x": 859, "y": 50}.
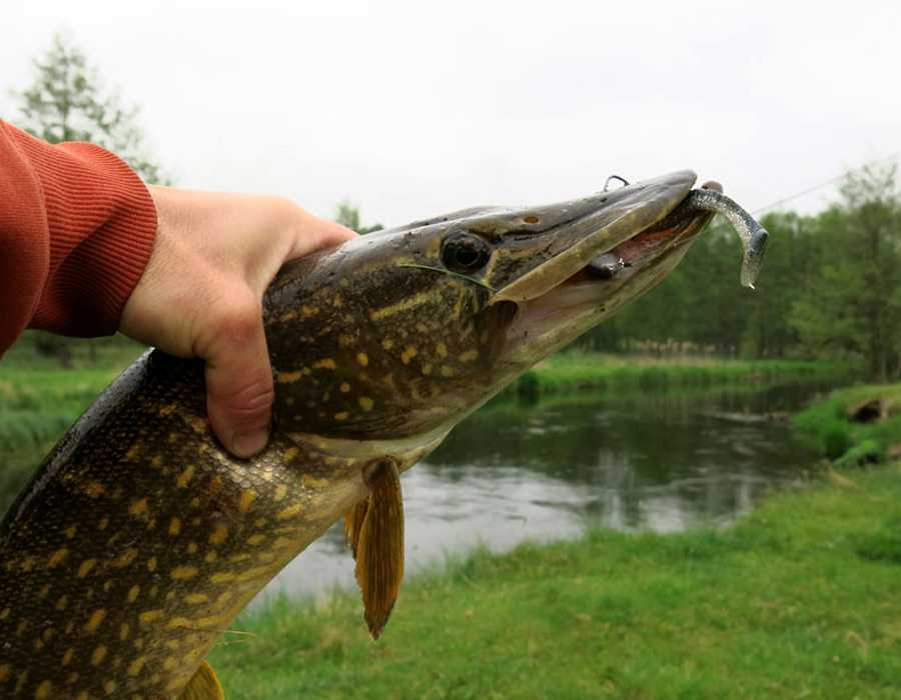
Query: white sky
{"x": 413, "y": 108}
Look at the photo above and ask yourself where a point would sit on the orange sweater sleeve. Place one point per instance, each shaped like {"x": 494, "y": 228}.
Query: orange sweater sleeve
{"x": 77, "y": 227}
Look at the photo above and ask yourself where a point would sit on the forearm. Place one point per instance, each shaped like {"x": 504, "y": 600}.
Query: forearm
{"x": 77, "y": 228}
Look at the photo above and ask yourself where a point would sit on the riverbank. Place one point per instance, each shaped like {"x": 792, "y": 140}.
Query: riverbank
{"x": 801, "y": 598}
{"x": 570, "y": 371}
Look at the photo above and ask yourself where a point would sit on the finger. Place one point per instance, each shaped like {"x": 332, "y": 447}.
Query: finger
{"x": 239, "y": 385}
{"x": 318, "y": 233}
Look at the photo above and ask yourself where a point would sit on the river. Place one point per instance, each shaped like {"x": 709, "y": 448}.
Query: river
{"x": 629, "y": 460}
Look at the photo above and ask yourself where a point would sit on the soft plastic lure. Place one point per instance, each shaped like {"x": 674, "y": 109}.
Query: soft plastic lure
{"x": 753, "y": 236}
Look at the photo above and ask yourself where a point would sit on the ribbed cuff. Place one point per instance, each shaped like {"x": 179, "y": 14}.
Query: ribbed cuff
{"x": 102, "y": 224}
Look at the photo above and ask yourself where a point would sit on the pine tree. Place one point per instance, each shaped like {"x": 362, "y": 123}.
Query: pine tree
{"x": 66, "y": 103}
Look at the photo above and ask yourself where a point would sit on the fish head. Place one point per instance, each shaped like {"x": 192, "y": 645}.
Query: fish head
{"x": 406, "y": 331}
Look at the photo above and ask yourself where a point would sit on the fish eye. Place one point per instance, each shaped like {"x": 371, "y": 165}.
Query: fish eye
{"x": 465, "y": 253}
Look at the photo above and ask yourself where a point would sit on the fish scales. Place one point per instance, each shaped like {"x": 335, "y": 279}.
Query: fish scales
{"x": 150, "y": 527}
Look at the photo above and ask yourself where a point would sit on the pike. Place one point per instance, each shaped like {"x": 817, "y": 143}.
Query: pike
{"x": 139, "y": 538}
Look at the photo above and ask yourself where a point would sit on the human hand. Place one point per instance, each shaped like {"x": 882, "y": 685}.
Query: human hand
{"x": 201, "y": 296}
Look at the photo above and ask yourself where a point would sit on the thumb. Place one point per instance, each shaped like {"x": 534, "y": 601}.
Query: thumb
{"x": 239, "y": 386}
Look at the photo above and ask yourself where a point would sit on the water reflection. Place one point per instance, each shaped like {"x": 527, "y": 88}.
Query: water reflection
{"x": 658, "y": 461}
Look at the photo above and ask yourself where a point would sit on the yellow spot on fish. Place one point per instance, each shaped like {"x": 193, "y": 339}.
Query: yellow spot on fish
{"x": 289, "y": 377}
{"x": 407, "y": 303}
{"x": 98, "y": 656}
{"x": 314, "y": 483}
{"x": 291, "y": 453}
{"x": 176, "y": 622}
{"x": 246, "y": 500}
{"x": 387, "y": 343}
{"x": 196, "y": 598}
{"x": 94, "y": 620}
{"x": 70, "y": 531}
{"x": 427, "y": 369}
{"x": 447, "y": 371}
{"x": 222, "y": 577}
{"x": 309, "y": 310}
{"x": 441, "y": 349}
{"x": 255, "y": 539}
{"x": 104, "y": 523}
{"x": 134, "y": 452}
{"x": 133, "y": 593}
{"x": 219, "y": 534}
{"x": 211, "y": 621}
{"x": 62, "y": 602}
{"x": 342, "y": 415}
{"x": 363, "y": 359}
{"x": 139, "y": 508}
{"x": 280, "y": 491}
{"x": 325, "y": 363}
{"x": 5, "y": 613}
{"x": 344, "y": 388}
{"x": 174, "y": 526}
{"x": 94, "y": 489}
{"x": 170, "y": 663}
{"x": 365, "y": 403}
{"x": 408, "y": 354}
{"x": 58, "y": 557}
{"x": 134, "y": 668}
{"x": 211, "y": 557}
{"x": 44, "y": 690}
{"x": 148, "y": 616}
{"x": 183, "y": 573}
{"x": 151, "y": 564}
{"x": 109, "y": 687}
{"x": 224, "y": 598}
{"x": 469, "y": 356}
{"x": 124, "y": 629}
{"x": 289, "y": 512}
{"x": 191, "y": 548}
{"x": 345, "y": 341}
{"x": 185, "y": 477}
{"x": 126, "y": 558}
{"x": 167, "y": 409}
{"x": 67, "y": 656}
{"x": 85, "y": 568}
{"x": 45, "y": 589}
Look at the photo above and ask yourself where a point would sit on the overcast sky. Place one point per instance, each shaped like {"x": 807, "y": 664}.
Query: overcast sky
{"x": 413, "y": 108}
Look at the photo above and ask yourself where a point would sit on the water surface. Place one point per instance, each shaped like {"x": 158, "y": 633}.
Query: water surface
{"x": 628, "y": 460}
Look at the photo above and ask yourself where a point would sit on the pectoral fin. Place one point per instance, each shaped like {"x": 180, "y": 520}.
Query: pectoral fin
{"x": 380, "y": 545}
{"x": 353, "y": 524}
{"x": 203, "y": 685}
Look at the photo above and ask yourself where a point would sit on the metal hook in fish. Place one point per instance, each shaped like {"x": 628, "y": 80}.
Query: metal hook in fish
{"x": 615, "y": 177}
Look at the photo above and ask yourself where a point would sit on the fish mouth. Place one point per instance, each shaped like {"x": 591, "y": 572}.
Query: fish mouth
{"x": 597, "y": 281}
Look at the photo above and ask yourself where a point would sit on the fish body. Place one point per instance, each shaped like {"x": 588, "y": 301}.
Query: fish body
{"x": 139, "y": 538}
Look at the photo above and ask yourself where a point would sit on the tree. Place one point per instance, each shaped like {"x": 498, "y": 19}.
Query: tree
{"x": 349, "y": 215}
{"x": 854, "y": 304}
{"x": 65, "y": 103}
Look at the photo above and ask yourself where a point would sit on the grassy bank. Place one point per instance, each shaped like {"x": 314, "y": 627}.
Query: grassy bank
{"x": 800, "y": 599}
{"x": 848, "y": 441}
{"x": 574, "y": 370}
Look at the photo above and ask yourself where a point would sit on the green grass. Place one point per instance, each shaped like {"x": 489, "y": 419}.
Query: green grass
{"x": 800, "y": 599}
{"x": 828, "y": 426}
{"x": 575, "y": 370}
